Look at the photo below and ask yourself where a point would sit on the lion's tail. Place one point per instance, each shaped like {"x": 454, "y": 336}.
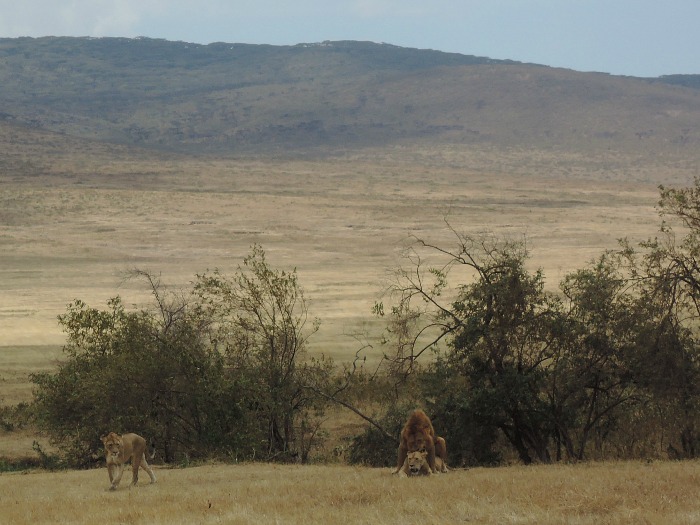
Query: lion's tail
{"x": 151, "y": 449}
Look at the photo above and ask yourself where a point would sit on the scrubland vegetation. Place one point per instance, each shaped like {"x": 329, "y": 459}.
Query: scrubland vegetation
{"x": 604, "y": 403}
{"x": 606, "y": 367}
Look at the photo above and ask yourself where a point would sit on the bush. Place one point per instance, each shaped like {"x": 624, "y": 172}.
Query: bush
{"x": 471, "y": 438}
{"x": 372, "y": 447}
{"x": 218, "y": 372}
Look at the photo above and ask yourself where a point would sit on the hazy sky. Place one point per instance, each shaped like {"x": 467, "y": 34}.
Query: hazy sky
{"x": 626, "y": 37}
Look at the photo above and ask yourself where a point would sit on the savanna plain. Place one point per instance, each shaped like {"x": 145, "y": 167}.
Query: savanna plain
{"x": 344, "y": 222}
{"x": 634, "y": 493}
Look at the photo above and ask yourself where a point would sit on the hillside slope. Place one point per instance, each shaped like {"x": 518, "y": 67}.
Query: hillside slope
{"x": 231, "y": 98}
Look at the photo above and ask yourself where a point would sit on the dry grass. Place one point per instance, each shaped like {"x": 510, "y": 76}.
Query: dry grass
{"x": 17, "y": 363}
{"x": 611, "y": 493}
{"x": 71, "y": 230}
{"x": 342, "y": 223}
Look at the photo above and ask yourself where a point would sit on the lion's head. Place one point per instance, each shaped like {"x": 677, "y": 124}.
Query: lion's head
{"x": 416, "y": 461}
{"x": 113, "y": 444}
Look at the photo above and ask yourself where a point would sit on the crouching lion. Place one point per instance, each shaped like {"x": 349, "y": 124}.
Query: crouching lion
{"x": 416, "y": 464}
{"x": 418, "y": 435}
{"x": 119, "y": 450}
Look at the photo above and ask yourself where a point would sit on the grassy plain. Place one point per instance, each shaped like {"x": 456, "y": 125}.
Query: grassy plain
{"x": 611, "y": 493}
{"x": 88, "y": 214}
{"x": 72, "y": 228}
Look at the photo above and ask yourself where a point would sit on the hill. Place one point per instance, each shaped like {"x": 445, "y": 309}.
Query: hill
{"x": 232, "y": 98}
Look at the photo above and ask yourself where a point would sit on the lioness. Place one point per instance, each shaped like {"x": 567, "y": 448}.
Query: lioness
{"x": 416, "y": 464}
{"x": 119, "y": 450}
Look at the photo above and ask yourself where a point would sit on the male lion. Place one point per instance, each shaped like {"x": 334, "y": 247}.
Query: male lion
{"x": 418, "y": 435}
{"x": 416, "y": 464}
{"x": 440, "y": 455}
{"x": 119, "y": 450}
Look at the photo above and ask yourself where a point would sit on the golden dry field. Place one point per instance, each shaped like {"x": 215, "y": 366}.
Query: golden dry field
{"x": 88, "y": 213}
{"x": 71, "y": 230}
{"x": 632, "y": 493}
{"x": 74, "y": 227}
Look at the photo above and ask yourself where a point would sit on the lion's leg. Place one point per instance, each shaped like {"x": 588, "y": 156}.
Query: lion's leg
{"x": 441, "y": 452}
{"x": 403, "y": 454}
{"x": 403, "y": 471}
{"x": 135, "y": 464}
{"x": 145, "y": 466}
{"x": 440, "y": 465}
{"x": 110, "y": 471}
{"x": 431, "y": 456}
{"x": 118, "y": 478}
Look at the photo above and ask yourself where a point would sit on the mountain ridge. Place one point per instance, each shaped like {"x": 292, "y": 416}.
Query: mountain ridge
{"x": 224, "y": 99}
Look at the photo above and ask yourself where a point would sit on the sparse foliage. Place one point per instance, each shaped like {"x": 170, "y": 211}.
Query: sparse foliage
{"x": 259, "y": 321}
{"x": 216, "y": 372}
{"x": 372, "y": 447}
{"x": 559, "y": 375}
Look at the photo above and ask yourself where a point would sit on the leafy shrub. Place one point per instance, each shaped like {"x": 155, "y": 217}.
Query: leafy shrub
{"x": 216, "y": 373}
{"x": 372, "y": 447}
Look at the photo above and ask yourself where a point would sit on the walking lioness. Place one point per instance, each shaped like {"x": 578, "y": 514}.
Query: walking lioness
{"x": 119, "y": 450}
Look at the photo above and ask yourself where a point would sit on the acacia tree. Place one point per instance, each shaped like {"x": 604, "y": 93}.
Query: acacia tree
{"x": 502, "y": 332}
{"x": 621, "y": 348}
{"x": 72, "y": 404}
{"x": 219, "y": 371}
{"x": 549, "y": 376}
{"x": 505, "y": 340}
{"x": 137, "y": 371}
{"x": 260, "y": 321}
{"x": 666, "y": 276}
{"x": 592, "y": 382}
